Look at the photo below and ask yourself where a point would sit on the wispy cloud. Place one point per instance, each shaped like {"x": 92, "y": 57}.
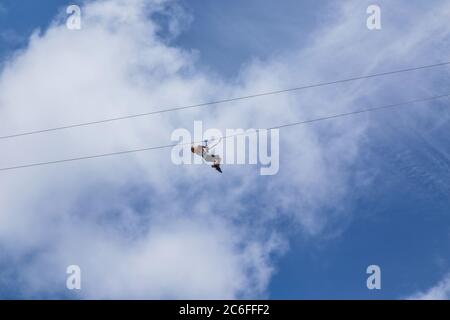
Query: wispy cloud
{"x": 440, "y": 291}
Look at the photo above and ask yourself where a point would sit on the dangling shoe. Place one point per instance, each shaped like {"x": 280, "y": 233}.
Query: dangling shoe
{"x": 217, "y": 167}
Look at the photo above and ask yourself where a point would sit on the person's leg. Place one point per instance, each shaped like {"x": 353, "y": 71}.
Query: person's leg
{"x": 216, "y": 164}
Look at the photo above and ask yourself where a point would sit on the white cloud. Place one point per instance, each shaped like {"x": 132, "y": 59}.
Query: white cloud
{"x": 181, "y": 259}
{"x": 139, "y": 226}
{"x": 439, "y": 292}
{"x": 114, "y": 65}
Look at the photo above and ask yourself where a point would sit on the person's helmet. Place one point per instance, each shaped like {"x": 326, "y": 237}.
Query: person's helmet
{"x": 192, "y": 149}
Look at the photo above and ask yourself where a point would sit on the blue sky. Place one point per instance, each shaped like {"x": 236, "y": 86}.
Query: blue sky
{"x": 20, "y": 18}
{"x": 396, "y": 216}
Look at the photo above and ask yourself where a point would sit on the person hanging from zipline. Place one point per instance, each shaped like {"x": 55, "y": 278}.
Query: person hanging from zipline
{"x": 204, "y": 152}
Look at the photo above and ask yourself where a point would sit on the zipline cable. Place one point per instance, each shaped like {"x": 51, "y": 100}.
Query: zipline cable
{"x": 339, "y": 115}
{"x": 262, "y": 94}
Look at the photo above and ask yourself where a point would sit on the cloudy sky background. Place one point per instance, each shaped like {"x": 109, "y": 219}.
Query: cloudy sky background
{"x": 370, "y": 189}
